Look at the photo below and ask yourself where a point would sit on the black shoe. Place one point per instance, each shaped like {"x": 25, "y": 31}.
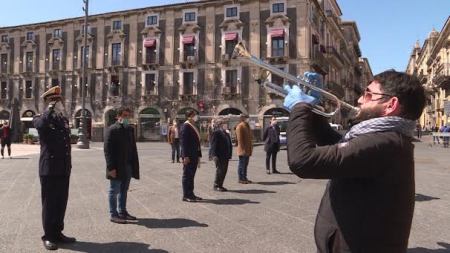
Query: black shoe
{"x": 189, "y": 199}
{"x": 49, "y": 245}
{"x": 249, "y": 181}
{"x": 173, "y": 161}
{"x": 197, "y": 198}
{"x": 65, "y": 239}
{"x": 243, "y": 182}
{"x": 268, "y": 172}
{"x": 220, "y": 189}
{"x": 127, "y": 216}
{"x": 116, "y": 219}
{"x": 275, "y": 172}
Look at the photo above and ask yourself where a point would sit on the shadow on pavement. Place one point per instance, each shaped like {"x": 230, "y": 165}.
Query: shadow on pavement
{"x": 229, "y": 201}
{"x": 252, "y": 191}
{"x": 421, "y": 197}
{"x": 169, "y": 223}
{"x": 94, "y": 247}
{"x": 274, "y": 183}
{"x": 445, "y": 249}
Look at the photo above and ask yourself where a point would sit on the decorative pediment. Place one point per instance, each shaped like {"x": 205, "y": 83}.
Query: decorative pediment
{"x": 55, "y": 41}
{"x": 189, "y": 28}
{"x": 151, "y": 30}
{"x": 29, "y": 44}
{"x": 116, "y": 34}
{"x": 281, "y": 19}
{"x": 4, "y": 46}
{"x": 231, "y": 24}
{"x": 80, "y": 38}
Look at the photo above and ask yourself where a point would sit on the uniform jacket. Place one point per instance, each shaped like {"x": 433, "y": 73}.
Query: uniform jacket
{"x": 190, "y": 142}
{"x": 271, "y": 139}
{"x": 369, "y": 202}
{"x": 221, "y": 145}
{"x": 120, "y": 149}
{"x": 54, "y": 137}
{"x": 244, "y": 139}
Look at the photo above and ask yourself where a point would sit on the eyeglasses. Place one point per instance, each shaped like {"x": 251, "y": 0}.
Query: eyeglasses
{"x": 368, "y": 95}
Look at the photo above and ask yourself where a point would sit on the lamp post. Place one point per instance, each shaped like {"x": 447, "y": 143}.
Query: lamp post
{"x": 83, "y": 143}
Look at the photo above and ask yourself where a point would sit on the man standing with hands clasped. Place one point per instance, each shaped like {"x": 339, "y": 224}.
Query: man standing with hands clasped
{"x": 122, "y": 163}
{"x": 221, "y": 152}
{"x": 54, "y": 167}
{"x": 369, "y": 201}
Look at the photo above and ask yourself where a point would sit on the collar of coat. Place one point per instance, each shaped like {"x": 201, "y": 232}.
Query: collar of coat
{"x": 195, "y": 129}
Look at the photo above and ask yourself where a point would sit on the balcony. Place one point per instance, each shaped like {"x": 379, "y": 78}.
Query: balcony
{"x": 319, "y": 62}
{"x": 226, "y": 58}
{"x": 442, "y": 81}
{"x": 189, "y": 61}
{"x": 336, "y": 89}
{"x": 229, "y": 92}
{"x": 150, "y": 97}
{"x": 189, "y": 97}
{"x": 334, "y": 56}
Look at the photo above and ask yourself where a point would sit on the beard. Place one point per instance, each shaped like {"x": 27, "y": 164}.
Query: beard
{"x": 368, "y": 113}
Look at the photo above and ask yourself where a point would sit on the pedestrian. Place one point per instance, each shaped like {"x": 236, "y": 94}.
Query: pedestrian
{"x": 5, "y": 136}
{"x": 122, "y": 164}
{"x": 419, "y": 130}
{"x": 244, "y": 141}
{"x": 174, "y": 140}
{"x": 191, "y": 154}
{"x": 435, "y": 137}
{"x": 271, "y": 139}
{"x": 54, "y": 167}
{"x": 368, "y": 204}
{"x": 221, "y": 152}
{"x": 446, "y": 138}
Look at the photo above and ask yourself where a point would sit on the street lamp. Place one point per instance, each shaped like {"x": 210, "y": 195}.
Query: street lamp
{"x": 83, "y": 143}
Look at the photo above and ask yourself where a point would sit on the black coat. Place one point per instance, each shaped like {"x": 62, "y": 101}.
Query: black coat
{"x": 54, "y": 137}
{"x": 190, "y": 142}
{"x": 368, "y": 204}
{"x": 120, "y": 149}
{"x": 221, "y": 145}
{"x": 271, "y": 139}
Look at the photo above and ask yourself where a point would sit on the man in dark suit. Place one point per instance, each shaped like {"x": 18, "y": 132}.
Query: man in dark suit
{"x": 221, "y": 151}
{"x": 190, "y": 153}
{"x": 54, "y": 168}
{"x": 122, "y": 163}
{"x": 272, "y": 145}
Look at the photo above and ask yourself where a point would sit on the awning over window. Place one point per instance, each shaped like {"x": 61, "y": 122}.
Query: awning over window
{"x": 188, "y": 39}
{"x": 148, "y": 42}
{"x": 231, "y": 36}
{"x": 276, "y": 33}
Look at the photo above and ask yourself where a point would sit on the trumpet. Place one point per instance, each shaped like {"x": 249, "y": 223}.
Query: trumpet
{"x": 242, "y": 54}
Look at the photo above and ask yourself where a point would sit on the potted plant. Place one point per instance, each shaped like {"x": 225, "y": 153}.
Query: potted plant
{"x": 73, "y": 138}
{"x": 30, "y": 139}
{"x": 25, "y": 139}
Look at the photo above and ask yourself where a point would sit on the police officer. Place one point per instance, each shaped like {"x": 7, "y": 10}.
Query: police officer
{"x": 54, "y": 168}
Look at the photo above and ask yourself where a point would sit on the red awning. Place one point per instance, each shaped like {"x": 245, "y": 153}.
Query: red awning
{"x": 149, "y": 42}
{"x": 188, "y": 39}
{"x": 275, "y": 33}
{"x": 231, "y": 36}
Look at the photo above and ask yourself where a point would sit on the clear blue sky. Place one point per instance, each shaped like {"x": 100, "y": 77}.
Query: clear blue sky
{"x": 388, "y": 28}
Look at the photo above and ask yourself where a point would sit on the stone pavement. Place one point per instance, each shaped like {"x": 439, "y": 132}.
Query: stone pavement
{"x": 276, "y": 214}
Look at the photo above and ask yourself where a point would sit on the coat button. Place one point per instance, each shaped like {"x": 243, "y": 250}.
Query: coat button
{"x": 51, "y": 156}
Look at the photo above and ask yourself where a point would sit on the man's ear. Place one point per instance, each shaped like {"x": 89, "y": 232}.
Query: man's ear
{"x": 392, "y": 107}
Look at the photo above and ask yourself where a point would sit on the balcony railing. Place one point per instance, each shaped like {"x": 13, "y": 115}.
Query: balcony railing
{"x": 333, "y": 54}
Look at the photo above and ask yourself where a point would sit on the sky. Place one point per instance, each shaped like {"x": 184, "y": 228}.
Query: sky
{"x": 388, "y": 28}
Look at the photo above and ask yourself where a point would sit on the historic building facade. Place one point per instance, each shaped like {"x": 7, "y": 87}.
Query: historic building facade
{"x": 431, "y": 64}
{"x": 163, "y": 60}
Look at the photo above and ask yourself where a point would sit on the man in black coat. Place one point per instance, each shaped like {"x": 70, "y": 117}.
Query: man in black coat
{"x": 122, "y": 163}
{"x": 271, "y": 139}
{"x": 368, "y": 204}
{"x": 191, "y": 154}
{"x": 221, "y": 152}
{"x": 54, "y": 168}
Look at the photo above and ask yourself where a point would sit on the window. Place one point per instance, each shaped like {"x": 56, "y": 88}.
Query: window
{"x": 88, "y": 29}
{"x": 29, "y": 62}
{"x": 229, "y": 46}
{"x": 189, "y": 17}
{"x": 189, "y": 50}
{"x": 57, "y": 33}
{"x": 231, "y": 12}
{"x": 117, "y": 25}
{"x": 116, "y": 53}
{"x": 55, "y": 82}
{"x": 85, "y": 60}
{"x": 4, "y": 63}
{"x": 30, "y": 35}
{"x": 150, "y": 84}
{"x": 188, "y": 83}
{"x": 114, "y": 89}
{"x": 56, "y": 59}
{"x": 5, "y": 38}
{"x": 28, "y": 89}
{"x": 278, "y": 47}
{"x": 3, "y": 93}
{"x": 278, "y": 79}
{"x": 278, "y": 8}
{"x": 150, "y": 54}
{"x": 231, "y": 80}
{"x": 152, "y": 20}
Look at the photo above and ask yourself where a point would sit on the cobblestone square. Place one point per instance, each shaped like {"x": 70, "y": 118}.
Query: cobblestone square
{"x": 275, "y": 214}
